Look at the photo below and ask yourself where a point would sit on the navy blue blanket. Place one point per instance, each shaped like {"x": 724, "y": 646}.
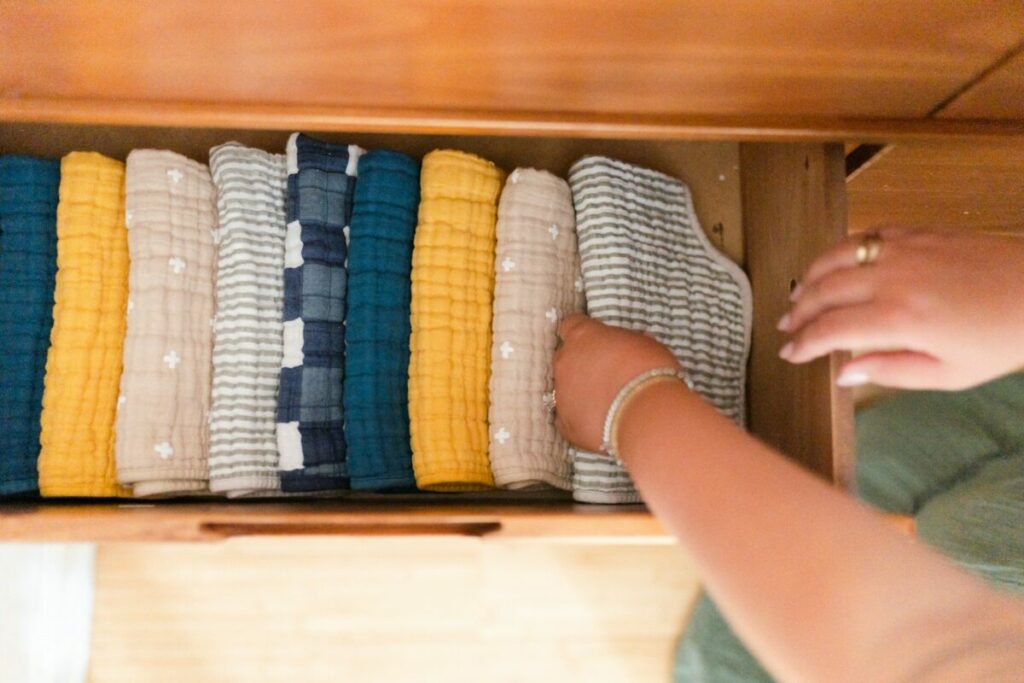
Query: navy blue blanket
{"x": 28, "y": 266}
{"x": 310, "y": 430}
{"x": 377, "y": 328}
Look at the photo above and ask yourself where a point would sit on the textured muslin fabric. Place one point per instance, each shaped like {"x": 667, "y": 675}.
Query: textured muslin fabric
{"x": 450, "y": 345}
{"x": 310, "y": 417}
{"x": 163, "y": 413}
{"x": 376, "y": 402}
{"x": 251, "y": 189}
{"x": 648, "y": 266}
{"x": 28, "y": 266}
{"x": 954, "y": 460}
{"x": 83, "y": 366}
{"x": 536, "y": 284}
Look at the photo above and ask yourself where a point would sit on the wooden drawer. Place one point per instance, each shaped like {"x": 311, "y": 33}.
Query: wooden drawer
{"x": 770, "y": 206}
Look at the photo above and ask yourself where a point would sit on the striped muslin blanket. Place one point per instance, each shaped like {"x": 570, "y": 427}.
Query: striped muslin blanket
{"x": 162, "y": 419}
{"x": 376, "y": 400}
{"x": 83, "y": 366}
{"x": 28, "y": 265}
{"x": 310, "y": 420}
{"x": 536, "y": 284}
{"x": 452, "y": 286}
{"x": 648, "y": 266}
{"x": 251, "y": 189}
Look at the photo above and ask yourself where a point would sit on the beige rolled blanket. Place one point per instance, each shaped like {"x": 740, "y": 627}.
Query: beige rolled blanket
{"x": 162, "y": 427}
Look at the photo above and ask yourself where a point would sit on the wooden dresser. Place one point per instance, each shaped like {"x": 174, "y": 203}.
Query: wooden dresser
{"x": 749, "y": 103}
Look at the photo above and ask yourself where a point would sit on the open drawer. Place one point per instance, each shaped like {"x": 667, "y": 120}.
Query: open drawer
{"x": 770, "y": 206}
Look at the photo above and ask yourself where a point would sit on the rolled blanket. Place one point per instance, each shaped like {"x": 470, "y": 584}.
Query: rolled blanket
{"x": 377, "y": 325}
{"x": 163, "y": 420}
{"x": 83, "y": 366}
{"x": 251, "y": 189}
{"x": 648, "y": 266}
{"x": 310, "y": 421}
{"x": 452, "y": 285}
{"x": 28, "y": 266}
{"x": 536, "y": 284}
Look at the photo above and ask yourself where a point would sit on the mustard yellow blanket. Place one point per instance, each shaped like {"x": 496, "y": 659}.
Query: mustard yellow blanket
{"x": 83, "y": 367}
{"x": 452, "y": 286}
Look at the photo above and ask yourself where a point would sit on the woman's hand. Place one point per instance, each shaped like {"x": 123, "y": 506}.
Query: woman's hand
{"x": 594, "y": 362}
{"x": 936, "y": 310}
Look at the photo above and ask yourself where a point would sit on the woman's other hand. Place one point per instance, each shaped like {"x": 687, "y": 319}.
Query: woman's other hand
{"x": 935, "y": 310}
{"x": 594, "y": 362}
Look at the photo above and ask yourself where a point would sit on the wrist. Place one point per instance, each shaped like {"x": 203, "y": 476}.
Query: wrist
{"x": 638, "y": 415}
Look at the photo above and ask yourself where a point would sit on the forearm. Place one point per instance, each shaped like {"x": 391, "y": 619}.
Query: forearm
{"x": 815, "y": 583}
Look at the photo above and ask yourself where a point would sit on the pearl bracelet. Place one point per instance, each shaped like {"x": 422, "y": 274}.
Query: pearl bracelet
{"x": 609, "y": 446}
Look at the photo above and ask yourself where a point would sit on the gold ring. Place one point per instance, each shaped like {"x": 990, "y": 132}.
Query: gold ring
{"x": 869, "y": 248}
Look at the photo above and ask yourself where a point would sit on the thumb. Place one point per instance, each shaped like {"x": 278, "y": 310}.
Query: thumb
{"x": 898, "y": 369}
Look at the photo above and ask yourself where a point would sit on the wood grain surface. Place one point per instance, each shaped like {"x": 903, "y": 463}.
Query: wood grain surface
{"x": 955, "y": 185}
{"x": 598, "y": 67}
{"x": 794, "y": 209}
{"x": 367, "y": 610}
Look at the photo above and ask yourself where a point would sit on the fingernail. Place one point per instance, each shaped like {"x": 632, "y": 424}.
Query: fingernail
{"x": 783, "y": 323}
{"x": 795, "y": 294}
{"x": 852, "y": 379}
{"x": 786, "y": 351}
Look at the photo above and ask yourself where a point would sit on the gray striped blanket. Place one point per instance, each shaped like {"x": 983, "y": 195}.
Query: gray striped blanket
{"x": 648, "y": 266}
{"x": 247, "y": 346}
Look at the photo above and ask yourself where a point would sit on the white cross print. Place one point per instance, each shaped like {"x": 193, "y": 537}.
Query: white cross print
{"x": 554, "y": 231}
{"x": 164, "y": 450}
{"x": 171, "y": 359}
{"x": 506, "y": 350}
{"x": 502, "y": 435}
{"x": 578, "y": 284}
{"x": 552, "y": 315}
{"x": 508, "y": 264}
{"x": 176, "y": 264}
{"x": 175, "y": 175}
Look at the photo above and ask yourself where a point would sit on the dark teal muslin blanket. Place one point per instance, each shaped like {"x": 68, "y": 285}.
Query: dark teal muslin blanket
{"x": 384, "y": 214}
{"x": 28, "y": 266}
{"x": 954, "y": 460}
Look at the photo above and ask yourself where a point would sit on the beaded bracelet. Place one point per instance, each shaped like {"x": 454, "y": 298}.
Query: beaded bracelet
{"x": 641, "y": 381}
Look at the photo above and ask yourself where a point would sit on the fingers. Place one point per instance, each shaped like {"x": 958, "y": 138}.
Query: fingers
{"x": 851, "y": 328}
{"x": 571, "y": 323}
{"x": 843, "y": 256}
{"x": 900, "y": 369}
{"x": 840, "y": 288}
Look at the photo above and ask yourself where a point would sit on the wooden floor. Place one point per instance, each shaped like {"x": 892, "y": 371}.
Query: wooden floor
{"x": 452, "y": 609}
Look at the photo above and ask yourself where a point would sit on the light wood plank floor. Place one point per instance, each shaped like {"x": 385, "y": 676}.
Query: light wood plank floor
{"x": 267, "y": 610}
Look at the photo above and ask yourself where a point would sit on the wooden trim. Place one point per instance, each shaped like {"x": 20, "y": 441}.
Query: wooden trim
{"x": 470, "y": 122}
{"x": 794, "y": 208}
{"x": 191, "y": 521}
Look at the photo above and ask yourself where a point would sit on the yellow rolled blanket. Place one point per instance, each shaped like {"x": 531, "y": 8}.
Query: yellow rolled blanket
{"x": 83, "y": 367}
{"x": 450, "y": 346}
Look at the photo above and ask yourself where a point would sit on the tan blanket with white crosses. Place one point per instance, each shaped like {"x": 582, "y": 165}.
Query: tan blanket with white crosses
{"x": 162, "y": 425}
{"x": 537, "y": 284}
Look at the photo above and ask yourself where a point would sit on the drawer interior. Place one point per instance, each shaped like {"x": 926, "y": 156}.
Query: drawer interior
{"x": 767, "y": 207}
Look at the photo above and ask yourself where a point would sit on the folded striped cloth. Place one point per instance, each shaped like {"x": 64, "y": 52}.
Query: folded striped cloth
{"x": 310, "y": 421}
{"x": 376, "y": 402}
{"x": 251, "y": 189}
{"x": 648, "y": 266}
{"x": 83, "y": 366}
{"x": 163, "y": 418}
{"x": 536, "y": 284}
{"x": 452, "y": 285}
{"x": 28, "y": 266}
